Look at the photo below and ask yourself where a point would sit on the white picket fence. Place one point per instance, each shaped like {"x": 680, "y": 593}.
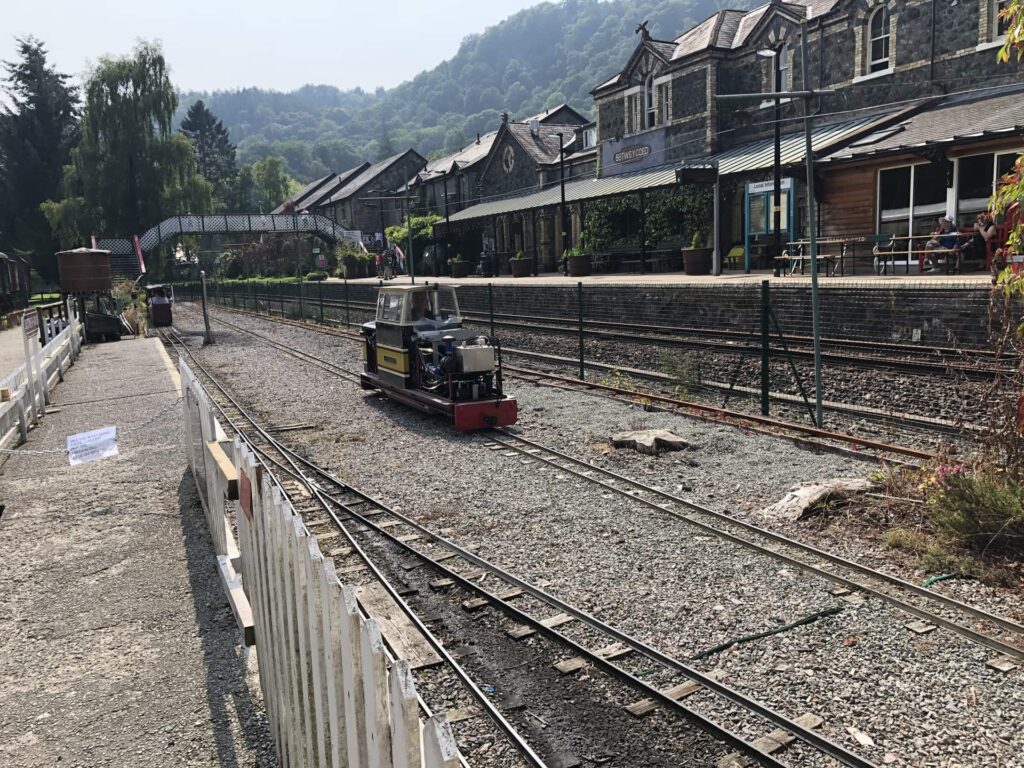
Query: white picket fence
{"x": 27, "y": 389}
{"x": 332, "y": 699}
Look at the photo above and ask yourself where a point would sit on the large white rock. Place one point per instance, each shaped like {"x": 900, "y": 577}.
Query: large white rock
{"x": 802, "y": 499}
{"x": 650, "y": 441}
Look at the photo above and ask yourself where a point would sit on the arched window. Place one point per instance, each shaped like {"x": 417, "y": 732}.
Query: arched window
{"x": 878, "y": 41}
{"x": 649, "y": 105}
{"x": 781, "y": 67}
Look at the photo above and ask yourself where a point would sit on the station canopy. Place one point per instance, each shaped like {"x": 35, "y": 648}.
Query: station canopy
{"x": 744, "y": 158}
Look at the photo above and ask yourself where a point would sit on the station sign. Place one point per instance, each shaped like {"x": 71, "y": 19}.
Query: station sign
{"x": 760, "y": 187}
{"x": 633, "y": 153}
{"x": 30, "y": 323}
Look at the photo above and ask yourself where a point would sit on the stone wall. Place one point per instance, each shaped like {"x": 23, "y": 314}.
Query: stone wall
{"x": 525, "y": 171}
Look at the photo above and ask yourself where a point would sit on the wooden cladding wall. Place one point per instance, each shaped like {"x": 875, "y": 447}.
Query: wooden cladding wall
{"x": 848, "y": 202}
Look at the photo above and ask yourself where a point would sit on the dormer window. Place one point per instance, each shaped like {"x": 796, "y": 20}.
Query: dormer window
{"x": 878, "y": 41}
{"x": 589, "y": 138}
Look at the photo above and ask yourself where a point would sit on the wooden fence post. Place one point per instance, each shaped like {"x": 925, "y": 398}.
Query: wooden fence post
{"x": 297, "y": 545}
{"x": 330, "y": 594}
{"x": 375, "y": 692}
{"x": 313, "y": 561}
{"x": 439, "y": 747}
{"x": 405, "y": 718}
{"x": 351, "y": 662}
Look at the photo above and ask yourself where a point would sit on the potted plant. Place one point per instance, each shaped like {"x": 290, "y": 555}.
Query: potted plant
{"x": 579, "y": 262}
{"x": 521, "y": 266}
{"x": 697, "y": 258}
{"x": 460, "y": 267}
{"x": 487, "y": 264}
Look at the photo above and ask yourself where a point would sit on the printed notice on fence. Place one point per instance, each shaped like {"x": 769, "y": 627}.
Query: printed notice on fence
{"x": 92, "y": 446}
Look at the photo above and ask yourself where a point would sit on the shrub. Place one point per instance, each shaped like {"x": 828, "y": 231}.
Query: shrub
{"x": 316, "y": 275}
{"x": 982, "y": 511}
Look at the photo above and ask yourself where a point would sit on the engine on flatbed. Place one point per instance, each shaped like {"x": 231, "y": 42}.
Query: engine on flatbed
{"x": 417, "y": 351}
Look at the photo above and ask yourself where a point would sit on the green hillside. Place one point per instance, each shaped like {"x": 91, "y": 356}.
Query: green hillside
{"x": 541, "y": 56}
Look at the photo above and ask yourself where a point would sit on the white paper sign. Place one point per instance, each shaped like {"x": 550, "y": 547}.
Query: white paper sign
{"x": 92, "y": 446}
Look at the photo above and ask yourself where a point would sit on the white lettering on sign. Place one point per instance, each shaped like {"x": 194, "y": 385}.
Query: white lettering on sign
{"x": 30, "y": 323}
{"x": 757, "y": 187}
{"x": 633, "y": 154}
{"x": 92, "y": 446}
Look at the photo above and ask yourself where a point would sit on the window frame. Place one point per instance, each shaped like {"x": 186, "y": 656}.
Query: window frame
{"x": 997, "y": 33}
{"x": 871, "y": 64}
{"x": 650, "y": 106}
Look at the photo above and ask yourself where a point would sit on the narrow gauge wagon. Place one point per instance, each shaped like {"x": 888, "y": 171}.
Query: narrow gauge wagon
{"x": 417, "y": 352}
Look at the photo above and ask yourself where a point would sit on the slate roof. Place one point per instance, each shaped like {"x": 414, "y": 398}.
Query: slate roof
{"x": 545, "y": 145}
{"x": 316, "y": 193}
{"x": 364, "y": 178}
{"x": 982, "y": 114}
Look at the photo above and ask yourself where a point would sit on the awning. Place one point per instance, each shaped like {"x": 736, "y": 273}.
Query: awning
{"x": 742, "y": 159}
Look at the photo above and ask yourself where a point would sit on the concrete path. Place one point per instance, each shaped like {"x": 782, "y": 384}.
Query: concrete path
{"x": 12, "y": 351}
{"x": 117, "y": 647}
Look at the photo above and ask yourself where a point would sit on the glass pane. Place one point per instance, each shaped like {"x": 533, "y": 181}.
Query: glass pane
{"x": 758, "y": 223}
{"x": 448, "y": 305}
{"x": 783, "y": 213}
{"x": 879, "y": 23}
{"x": 929, "y": 186}
{"x": 389, "y": 307}
{"x": 894, "y": 189}
{"x": 1004, "y": 164}
{"x": 975, "y": 177}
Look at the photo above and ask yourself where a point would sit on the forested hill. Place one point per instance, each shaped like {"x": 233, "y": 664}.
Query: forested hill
{"x": 536, "y": 58}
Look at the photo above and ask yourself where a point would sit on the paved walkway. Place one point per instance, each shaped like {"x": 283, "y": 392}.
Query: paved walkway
{"x": 729, "y": 279}
{"x": 117, "y": 647}
{"x": 12, "y": 351}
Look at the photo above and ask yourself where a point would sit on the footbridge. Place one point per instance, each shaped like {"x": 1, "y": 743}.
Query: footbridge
{"x": 127, "y": 255}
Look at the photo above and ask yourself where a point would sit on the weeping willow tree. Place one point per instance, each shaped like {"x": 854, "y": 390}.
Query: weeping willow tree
{"x": 131, "y": 168}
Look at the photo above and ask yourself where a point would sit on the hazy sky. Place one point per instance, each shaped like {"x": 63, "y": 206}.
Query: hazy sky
{"x": 219, "y": 44}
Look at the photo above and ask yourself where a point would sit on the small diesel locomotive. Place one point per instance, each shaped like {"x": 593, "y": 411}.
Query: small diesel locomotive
{"x": 417, "y": 352}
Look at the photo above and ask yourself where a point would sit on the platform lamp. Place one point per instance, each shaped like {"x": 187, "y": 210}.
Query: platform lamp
{"x": 806, "y": 96}
{"x": 776, "y": 57}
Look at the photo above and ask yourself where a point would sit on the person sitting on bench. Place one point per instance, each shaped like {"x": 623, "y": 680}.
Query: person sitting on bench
{"x": 977, "y": 248}
{"x": 943, "y": 239}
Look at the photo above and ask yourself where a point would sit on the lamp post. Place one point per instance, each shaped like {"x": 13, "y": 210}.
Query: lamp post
{"x": 806, "y": 96}
{"x": 776, "y": 57}
{"x": 561, "y": 207}
{"x": 447, "y": 225}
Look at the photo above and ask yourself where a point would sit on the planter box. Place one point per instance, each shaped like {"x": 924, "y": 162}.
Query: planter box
{"x": 460, "y": 269}
{"x": 579, "y": 266}
{"x": 697, "y": 261}
{"x": 521, "y": 267}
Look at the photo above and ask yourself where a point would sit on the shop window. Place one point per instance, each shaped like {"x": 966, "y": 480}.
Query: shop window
{"x": 977, "y": 177}
{"x": 912, "y": 198}
{"x": 878, "y": 41}
{"x": 930, "y": 183}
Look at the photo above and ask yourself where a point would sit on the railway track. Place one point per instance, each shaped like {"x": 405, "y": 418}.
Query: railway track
{"x": 801, "y": 433}
{"x": 358, "y": 517}
{"x": 848, "y": 575}
{"x": 972, "y": 363}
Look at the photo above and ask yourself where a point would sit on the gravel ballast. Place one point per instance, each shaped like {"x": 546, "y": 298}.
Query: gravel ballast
{"x": 922, "y": 701}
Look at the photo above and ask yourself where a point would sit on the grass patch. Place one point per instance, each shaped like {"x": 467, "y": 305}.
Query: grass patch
{"x": 935, "y": 554}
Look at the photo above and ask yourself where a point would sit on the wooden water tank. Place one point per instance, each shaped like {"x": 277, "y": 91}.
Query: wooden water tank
{"x": 84, "y": 270}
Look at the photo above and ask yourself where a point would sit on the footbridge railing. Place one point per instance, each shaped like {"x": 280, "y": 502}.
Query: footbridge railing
{"x": 231, "y": 223}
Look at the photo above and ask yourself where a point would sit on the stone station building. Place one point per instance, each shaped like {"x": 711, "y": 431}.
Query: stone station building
{"x": 919, "y": 123}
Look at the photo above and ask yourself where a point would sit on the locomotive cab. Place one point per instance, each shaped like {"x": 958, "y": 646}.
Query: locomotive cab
{"x": 417, "y": 351}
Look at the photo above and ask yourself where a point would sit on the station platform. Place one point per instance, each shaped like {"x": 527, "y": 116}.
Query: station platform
{"x": 117, "y": 646}
{"x": 728, "y": 279}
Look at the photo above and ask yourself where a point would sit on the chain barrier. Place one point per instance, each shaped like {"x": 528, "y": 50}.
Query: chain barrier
{"x": 126, "y": 431}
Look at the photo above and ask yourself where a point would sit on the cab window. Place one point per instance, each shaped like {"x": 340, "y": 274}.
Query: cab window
{"x": 389, "y": 307}
{"x": 447, "y": 304}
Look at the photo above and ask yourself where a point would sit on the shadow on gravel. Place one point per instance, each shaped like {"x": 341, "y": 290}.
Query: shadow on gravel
{"x": 427, "y": 425}
{"x": 227, "y": 693}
